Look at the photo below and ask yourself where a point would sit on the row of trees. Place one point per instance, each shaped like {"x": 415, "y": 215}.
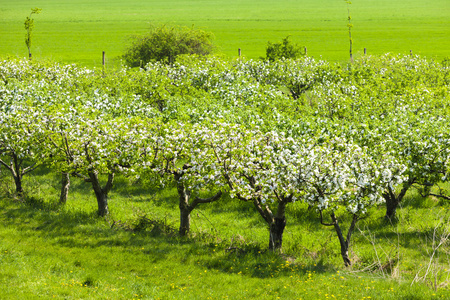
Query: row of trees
{"x": 95, "y": 128}
{"x": 266, "y": 169}
{"x": 204, "y": 161}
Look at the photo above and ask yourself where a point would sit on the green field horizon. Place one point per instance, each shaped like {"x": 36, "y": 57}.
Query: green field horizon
{"x": 78, "y": 31}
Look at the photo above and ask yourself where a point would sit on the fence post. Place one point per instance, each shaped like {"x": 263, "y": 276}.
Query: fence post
{"x": 239, "y": 52}
{"x": 103, "y": 62}
{"x": 306, "y": 51}
{"x": 365, "y": 51}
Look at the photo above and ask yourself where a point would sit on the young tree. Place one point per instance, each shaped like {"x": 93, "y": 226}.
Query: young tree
{"x": 350, "y": 26}
{"x": 178, "y": 153}
{"x": 29, "y": 25}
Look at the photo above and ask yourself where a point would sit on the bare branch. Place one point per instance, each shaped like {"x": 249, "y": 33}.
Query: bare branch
{"x": 84, "y": 177}
{"x": 352, "y": 227}
{"x": 205, "y": 200}
{"x": 321, "y": 220}
{"x": 109, "y": 183}
{"x": 29, "y": 169}
{"x": 440, "y": 196}
{"x": 5, "y": 165}
{"x": 266, "y": 213}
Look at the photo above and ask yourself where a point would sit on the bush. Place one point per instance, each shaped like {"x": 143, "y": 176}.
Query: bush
{"x": 163, "y": 43}
{"x": 284, "y": 49}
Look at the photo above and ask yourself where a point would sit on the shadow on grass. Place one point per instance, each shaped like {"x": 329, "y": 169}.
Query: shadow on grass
{"x": 81, "y": 230}
{"x": 78, "y": 230}
{"x": 251, "y": 261}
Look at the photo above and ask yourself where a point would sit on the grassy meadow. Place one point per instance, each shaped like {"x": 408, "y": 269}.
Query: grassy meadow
{"x": 54, "y": 251}
{"x": 78, "y": 31}
{"x": 68, "y": 252}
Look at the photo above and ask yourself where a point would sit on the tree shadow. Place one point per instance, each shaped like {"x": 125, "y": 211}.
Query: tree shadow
{"x": 250, "y": 260}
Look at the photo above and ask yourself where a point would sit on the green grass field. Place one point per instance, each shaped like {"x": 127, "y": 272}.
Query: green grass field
{"x": 67, "y": 252}
{"x": 48, "y": 251}
{"x": 79, "y": 30}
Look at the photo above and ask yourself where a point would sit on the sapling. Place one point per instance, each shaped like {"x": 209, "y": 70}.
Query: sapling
{"x": 29, "y": 25}
{"x": 350, "y": 25}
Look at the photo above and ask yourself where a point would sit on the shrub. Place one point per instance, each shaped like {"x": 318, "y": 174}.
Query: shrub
{"x": 163, "y": 43}
{"x": 283, "y": 49}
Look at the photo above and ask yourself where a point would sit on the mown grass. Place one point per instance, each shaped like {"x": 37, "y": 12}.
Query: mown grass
{"x": 53, "y": 251}
{"x": 78, "y": 31}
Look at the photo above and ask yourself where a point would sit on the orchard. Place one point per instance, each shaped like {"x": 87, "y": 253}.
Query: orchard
{"x": 342, "y": 138}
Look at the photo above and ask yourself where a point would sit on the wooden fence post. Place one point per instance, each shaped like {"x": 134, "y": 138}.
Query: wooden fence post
{"x": 365, "y": 51}
{"x": 103, "y": 62}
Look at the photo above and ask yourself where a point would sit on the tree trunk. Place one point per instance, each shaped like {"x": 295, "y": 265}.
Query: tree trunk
{"x": 185, "y": 210}
{"x": 344, "y": 241}
{"x": 65, "y": 185}
{"x": 102, "y": 203}
{"x": 344, "y": 254}
{"x": 344, "y": 245}
{"x": 185, "y": 221}
{"x": 276, "y": 227}
{"x": 16, "y": 171}
{"x": 101, "y": 193}
{"x": 276, "y": 233}
{"x": 185, "y": 207}
{"x": 391, "y": 207}
{"x": 18, "y": 182}
{"x": 393, "y": 200}
{"x": 276, "y": 222}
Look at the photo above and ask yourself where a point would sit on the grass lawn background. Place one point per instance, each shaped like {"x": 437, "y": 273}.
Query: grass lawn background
{"x": 79, "y": 30}
{"x": 68, "y": 252}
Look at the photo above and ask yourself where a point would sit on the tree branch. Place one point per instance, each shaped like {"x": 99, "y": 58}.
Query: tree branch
{"x": 265, "y": 213}
{"x": 440, "y": 196}
{"x": 205, "y": 200}
{"x": 29, "y": 169}
{"x": 109, "y": 183}
{"x": 86, "y": 151}
{"x": 352, "y": 227}
{"x": 4, "y": 164}
{"x": 67, "y": 148}
{"x": 84, "y": 177}
{"x": 321, "y": 220}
